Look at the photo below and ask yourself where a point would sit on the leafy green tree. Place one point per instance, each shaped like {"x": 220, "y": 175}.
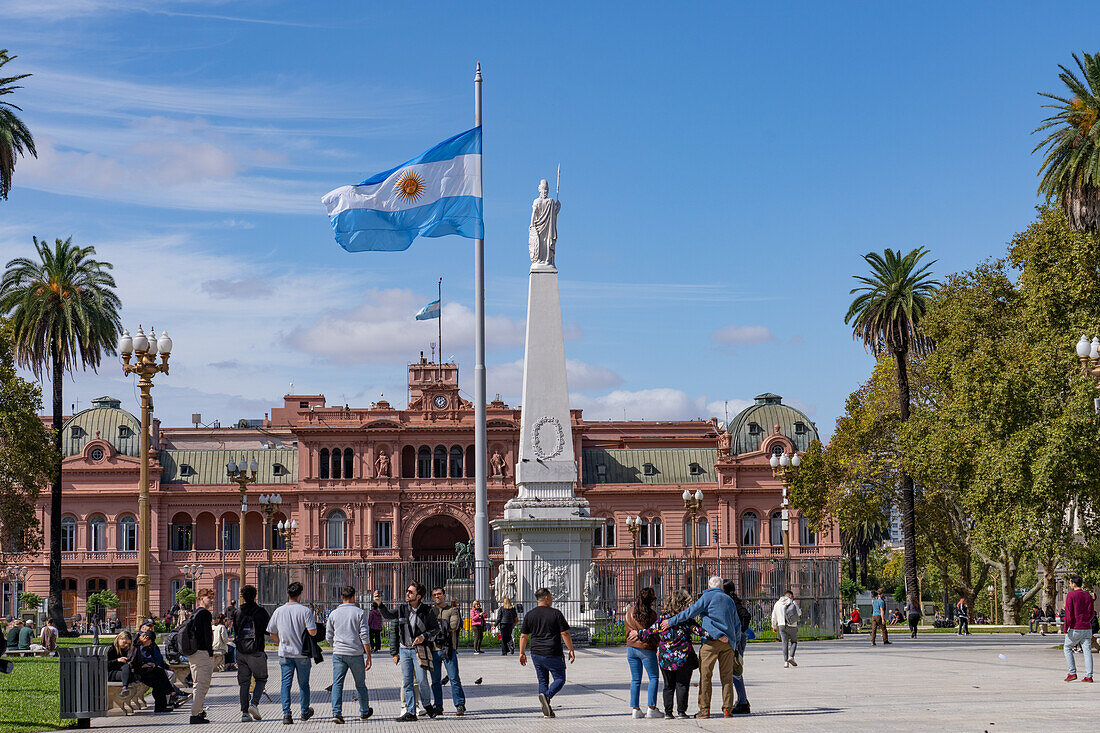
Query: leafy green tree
{"x": 887, "y": 316}
{"x": 101, "y": 599}
{"x": 64, "y": 314}
{"x": 185, "y": 596}
{"x": 1070, "y": 173}
{"x": 15, "y": 139}
{"x": 27, "y": 456}
{"x": 30, "y": 601}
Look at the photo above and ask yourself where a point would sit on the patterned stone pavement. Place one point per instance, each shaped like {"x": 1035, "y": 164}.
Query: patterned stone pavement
{"x": 937, "y": 682}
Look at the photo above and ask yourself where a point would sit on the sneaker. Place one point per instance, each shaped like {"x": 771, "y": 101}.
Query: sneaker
{"x": 288, "y": 720}
{"x": 544, "y": 704}
{"x": 637, "y": 713}
{"x": 307, "y": 714}
{"x": 551, "y": 712}
{"x": 742, "y": 708}
{"x": 792, "y": 662}
{"x": 786, "y": 665}
{"x": 199, "y": 720}
{"x": 364, "y": 716}
{"x": 434, "y": 712}
{"x": 124, "y": 692}
{"x": 654, "y": 713}
{"x": 890, "y": 642}
{"x": 683, "y": 716}
{"x": 460, "y": 710}
{"x": 1070, "y": 677}
{"x": 703, "y": 714}
{"x": 338, "y": 719}
{"x": 1087, "y": 679}
{"x": 254, "y": 711}
{"x": 246, "y": 718}
{"x": 406, "y": 718}
{"x": 668, "y": 713}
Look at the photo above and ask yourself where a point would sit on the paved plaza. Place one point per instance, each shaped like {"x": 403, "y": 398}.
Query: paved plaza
{"x": 1001, "y": 682}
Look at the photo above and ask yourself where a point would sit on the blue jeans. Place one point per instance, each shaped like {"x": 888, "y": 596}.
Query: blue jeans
{"x": 544, "y": 666}
{"x": 458, "y": 696}
{"x": 739, "y": 685}
{"x": 639, "y": 659}
{"x": 289, "y": 666}
{"x": 410, "y": 667}
{"x": 1084, "y": 638}
{"x": 341, "y": 664}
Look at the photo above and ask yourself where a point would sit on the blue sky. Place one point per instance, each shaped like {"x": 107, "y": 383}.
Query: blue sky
{"x": 724, "y": 166}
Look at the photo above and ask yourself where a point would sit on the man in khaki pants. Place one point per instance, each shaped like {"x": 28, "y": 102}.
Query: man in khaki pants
{"x": 718, "y": 617}
{"x": 202, "y": 661}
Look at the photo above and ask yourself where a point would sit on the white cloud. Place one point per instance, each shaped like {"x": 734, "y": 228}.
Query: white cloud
{"x": 507, "y": 378}
{"x": 381, "y": 330}
{"x": 659, "y": 403}
{"x": 742, "y": 335}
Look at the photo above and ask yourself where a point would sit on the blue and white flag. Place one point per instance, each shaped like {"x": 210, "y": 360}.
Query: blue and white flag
{"x": 428, "y": 312}
{"x": 435, "y": 194}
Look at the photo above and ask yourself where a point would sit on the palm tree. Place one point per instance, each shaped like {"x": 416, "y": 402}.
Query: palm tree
{"x": 886, "y": 316}
{"x": 1070, "y": 173}
{"x": 15, "y": 138}
{"x": 64, "y": 313}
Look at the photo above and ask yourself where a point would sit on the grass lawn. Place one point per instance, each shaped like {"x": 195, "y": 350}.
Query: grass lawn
{"x": 29, "y": 696}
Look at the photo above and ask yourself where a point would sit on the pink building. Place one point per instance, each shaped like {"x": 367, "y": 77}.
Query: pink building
{"x": 384, "y": 483}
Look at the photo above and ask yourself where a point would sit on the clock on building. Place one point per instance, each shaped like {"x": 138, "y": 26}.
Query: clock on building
{"x": 440, "y": 401}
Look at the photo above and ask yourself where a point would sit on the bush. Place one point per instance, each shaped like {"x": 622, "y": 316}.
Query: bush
{"x": 186, "y": 597}
{"x": 30, "y": 601}
{"x": 101, "y": 599}
{"x": 849, "y": 589}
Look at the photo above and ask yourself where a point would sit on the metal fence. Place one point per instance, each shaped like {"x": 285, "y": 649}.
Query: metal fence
{"x": 593, "y": 596}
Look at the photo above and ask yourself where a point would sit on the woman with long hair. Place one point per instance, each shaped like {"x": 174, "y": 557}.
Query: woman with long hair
{"x": 675, "y": 653}
{"x": 506, "y": 622}
{"x": 642, "y": 653}
{"x": 120, "y": 661}
{"x": 477, "y": 623}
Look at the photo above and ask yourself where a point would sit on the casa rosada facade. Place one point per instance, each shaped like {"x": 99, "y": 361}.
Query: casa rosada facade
{"x": 381, "y": 483}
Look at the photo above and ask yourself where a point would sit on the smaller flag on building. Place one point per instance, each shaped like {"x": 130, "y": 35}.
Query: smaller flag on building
{"x": 428, "y": 312}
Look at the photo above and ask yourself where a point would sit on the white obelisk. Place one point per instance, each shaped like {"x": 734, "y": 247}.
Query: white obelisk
{"x": 547, "y": 530}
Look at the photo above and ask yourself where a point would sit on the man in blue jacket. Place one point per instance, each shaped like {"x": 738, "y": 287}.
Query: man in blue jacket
{"x": 718, "y": 616}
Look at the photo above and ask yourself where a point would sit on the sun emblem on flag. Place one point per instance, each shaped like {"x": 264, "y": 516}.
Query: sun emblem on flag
{"x": 409, "y": 187}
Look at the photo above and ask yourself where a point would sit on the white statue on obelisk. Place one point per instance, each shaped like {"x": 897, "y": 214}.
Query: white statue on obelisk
{"x": 544, "y": 227}
{"x": 546, "y": 528}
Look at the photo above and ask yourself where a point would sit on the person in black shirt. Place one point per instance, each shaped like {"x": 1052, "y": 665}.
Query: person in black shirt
{"x": 546, "y": 629}
{"x": 506, "y": 622}
{"x": 202, "y": 661}
{"x": 120, "y": 661}
{"x": 249, "y": 630}
{"x": 152, "y": 670}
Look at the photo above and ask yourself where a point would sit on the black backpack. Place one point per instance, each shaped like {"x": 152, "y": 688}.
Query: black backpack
{"x": 171, "y": 647}
{"x": 744, "y": 616}
{"x": 187, "y": 638}
{"x": 244, "y": 627}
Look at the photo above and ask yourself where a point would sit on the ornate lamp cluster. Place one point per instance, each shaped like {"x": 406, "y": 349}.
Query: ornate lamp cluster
{"x": 694, "y": 504}
{"x": 269, "y": 504}
{"x": 785, "y": 468}
{"x": 143, "y": 350}
{"x": 1088, "y": 353}
{"x": 17, "y": 574}
{"x": 242, "y": 474}
{"x": 288, "y": 530}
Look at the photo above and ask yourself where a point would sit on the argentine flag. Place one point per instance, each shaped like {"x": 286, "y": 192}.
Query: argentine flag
{"x": 435, "y": 194}
{"x": 428, "y": 312}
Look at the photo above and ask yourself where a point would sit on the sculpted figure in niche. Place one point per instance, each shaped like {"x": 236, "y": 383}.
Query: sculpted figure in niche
{"x": 592, "y": 595}
{"x": 506, "y": 584}
{"x": 544, "y": 226}
{"x": 382, "y": 465}
{"x": 500, "y": 468}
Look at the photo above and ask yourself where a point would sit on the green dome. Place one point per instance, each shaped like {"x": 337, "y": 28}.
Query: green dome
{"x": 109, "y": 421}
{"x": 758, "y": 421}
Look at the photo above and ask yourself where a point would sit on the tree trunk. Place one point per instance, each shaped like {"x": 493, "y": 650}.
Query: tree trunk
{"x": 1049, "y": 579}
{"x": 908, "y": 503}
{"x": 863, "y": 564}
{"x": 852, "y": 567}
{"x": 54, "y": 608}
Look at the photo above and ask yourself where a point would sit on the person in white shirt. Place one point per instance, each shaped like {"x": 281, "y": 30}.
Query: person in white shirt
{"x": 288, "y": 624}
{"x": 785, "y": 614}
{"x": 347, "y": 628}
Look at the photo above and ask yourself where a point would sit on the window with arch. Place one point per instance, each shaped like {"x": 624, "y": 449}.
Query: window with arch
{"x": 456, "y": 461}
{"x": 778, "y": 449}
{"x": 750, "y": 530}
{"x": 439, "y": 462}
{"x": 702, "y": 532}
{"x": 335, "y": 526}
{"x": 324, "y": 463}
{"x": 180, "y": 532}
{"x": 424, "y": 462}
{"x": 97, "y": 533}
{"x": 349, "y": 463}
{"x": 127, "y": 533}
{"x": 68, "y": 533}
{"x": 656, "y": 532}
{"x": 278, "y": 542}
{"x": 336, "y": 463}
{"x": 231, "y": 533}
{"x": 775, "y": 525}
{"x": 604, "y": 535}
{"x": 643, "y": 533}
{"x": 806, "y": 536}
{"x": 408, "y": 462}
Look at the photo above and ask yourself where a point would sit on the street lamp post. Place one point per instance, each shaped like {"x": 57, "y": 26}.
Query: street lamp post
{"x": 694, "y": 503}
{"x": 1088, "y": 353}
{"x": 193, "y": 573}
{"x": 785, "y": 468}
{"x": 270, "y": 504}
{"x": 242, "y": 474}
{"x": 288, "y": 530}
{"x": 17, "y": 574}
{"x": 144, "y": 349}
{"x": 633, "y": 524}
{"x": 992, "y": 604}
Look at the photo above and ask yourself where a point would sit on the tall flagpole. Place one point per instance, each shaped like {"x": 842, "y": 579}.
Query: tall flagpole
{"x": 481, "y": 499}
{"x": 439, "y": 322}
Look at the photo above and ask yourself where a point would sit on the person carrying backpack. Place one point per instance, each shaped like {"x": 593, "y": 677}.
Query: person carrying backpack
{"x": 250, "y": 627}
{"x": 745, "y": 617}
{"x": 196, "y": 641}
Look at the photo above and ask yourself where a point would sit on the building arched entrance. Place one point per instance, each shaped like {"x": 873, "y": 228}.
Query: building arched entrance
{"x": 435, "y": 538}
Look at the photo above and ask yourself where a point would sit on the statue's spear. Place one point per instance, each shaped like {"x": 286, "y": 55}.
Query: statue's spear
{"x": 557, "y": 188}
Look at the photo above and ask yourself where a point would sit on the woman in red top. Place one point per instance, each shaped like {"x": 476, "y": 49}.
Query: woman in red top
{"x": 477, "y": 623}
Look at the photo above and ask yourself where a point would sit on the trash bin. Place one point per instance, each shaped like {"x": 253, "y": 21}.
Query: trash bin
{"x": 83, "y": 683}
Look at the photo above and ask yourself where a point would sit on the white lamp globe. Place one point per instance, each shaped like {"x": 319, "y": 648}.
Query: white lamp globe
{"x": 231, "y": 466}
{"x": 796, "y": 461}
{"x": 164, "y": 343}
{"x": 294, "y": 524}
{"x": 1094, "y": 348}
{"x": 280, "y": 525}
{"x": 784, "y": 460}
{"x": 686, "y": 495}
{"x": 254, "y": 466}
{"x": 126, "y": 343}
{"x": 1082, "y": 346}
{"x": 141, "y": 343}
{"x": 774, "y": 461}
{"x": 699, "y": 495}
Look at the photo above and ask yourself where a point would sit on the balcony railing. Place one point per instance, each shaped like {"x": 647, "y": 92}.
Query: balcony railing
{"x": 215, "y": 556}
{"x": 98, "y": 556}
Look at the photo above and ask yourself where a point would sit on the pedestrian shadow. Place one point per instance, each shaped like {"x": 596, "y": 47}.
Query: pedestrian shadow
{"x": 794, "y": 711}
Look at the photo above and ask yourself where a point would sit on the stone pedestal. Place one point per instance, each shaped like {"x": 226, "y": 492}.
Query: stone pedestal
{"x": 547, "y": 530}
